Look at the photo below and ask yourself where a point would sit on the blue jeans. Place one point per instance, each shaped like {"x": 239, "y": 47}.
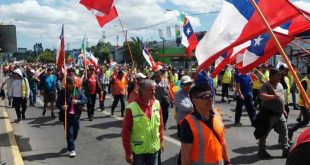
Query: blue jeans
{"x": 72, "y": 130}
{"x": 33, "y": 96}
{"x": 146, "y": 159}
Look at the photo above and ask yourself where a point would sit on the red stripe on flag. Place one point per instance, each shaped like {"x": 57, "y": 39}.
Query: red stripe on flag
{"x": 107, "y": 18}
{"x": 103, "y": 6}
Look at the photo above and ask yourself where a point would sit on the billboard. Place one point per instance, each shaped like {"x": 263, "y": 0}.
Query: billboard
{"x": 8, "y": 38}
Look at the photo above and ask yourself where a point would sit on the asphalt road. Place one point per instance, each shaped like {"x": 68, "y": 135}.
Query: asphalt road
{"x": 41, "y": 139}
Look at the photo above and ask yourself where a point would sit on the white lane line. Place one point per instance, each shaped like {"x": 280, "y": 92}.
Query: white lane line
{"x": 170, "y": 139}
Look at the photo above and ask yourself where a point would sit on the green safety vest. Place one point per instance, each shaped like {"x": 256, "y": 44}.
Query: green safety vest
{"x": 227, "y": 77}
{"x": 144, "y": 136}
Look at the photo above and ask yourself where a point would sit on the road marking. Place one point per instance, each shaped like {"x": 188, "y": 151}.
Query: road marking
{"x": 170, "y": 139}
{"x": 18, "y": 160}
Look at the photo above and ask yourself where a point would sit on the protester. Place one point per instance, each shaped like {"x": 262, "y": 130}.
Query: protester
{"x": 226, "y": 81}
{"x": 49, "y": 81}
{"x": 142, "y": 132}
{"x": 8, "y": 82}
{"x": 33, "y": 83}
{"x": 244, "y": 97}
{"x": 303, "y": 109}
{"x": 75, "y": 100}
{"x": 162, "y": 94}
{"x": 273, "y": 101}
{"x": 119, "y": 84}
{"x": 20, "y": 91}
{"x": 183, "y": 104}
{"x": 204, "y": 123}
{"x": 92, "y": 87}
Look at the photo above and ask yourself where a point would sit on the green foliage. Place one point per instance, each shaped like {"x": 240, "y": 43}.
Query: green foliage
{"x": 102, "y": 51}
{"x": 47, "y": 56}
{"x": 136, "y": 50}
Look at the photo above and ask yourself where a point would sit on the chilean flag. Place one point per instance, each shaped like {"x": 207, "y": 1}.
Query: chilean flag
{"x": 102, "y": 20}
{"x": 237, "y": 23}
{"x": 61, "y": 50}
{"x": 222, "y": 61}
{"x": 147, "y": 56}
{"x": 189, "y": 39}
{"x": 263, "y": 47}
{"x": 102, "y": 6}
{"x": 91, "y": 58}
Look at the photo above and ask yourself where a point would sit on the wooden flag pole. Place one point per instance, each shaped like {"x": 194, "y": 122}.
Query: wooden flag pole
{"x": 284, "y": 56}
{"x": 299, "y": 39}
{"x": 125, "y": 34}
{"x": 301, "y": 47}
{"x": 65, "y": 84}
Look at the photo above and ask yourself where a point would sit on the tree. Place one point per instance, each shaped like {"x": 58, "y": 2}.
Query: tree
{"x": 102, "y": 50}
{"x": 47, "y": 56}
{"x": 136, "y": 50}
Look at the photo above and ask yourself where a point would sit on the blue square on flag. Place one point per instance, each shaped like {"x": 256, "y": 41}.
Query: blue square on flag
{"x": 188, "y": 30}
{"x": 258, "y": 44}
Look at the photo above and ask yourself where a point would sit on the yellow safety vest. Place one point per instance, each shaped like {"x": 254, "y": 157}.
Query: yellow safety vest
{"x": 299, "y": 99}
{"x": 227, "y": 77}
{"x": 24, "y": 88}
{"x": 144, "y": 136}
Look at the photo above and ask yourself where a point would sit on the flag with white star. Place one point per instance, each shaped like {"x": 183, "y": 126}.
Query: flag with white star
{"x": 189, "y": 39}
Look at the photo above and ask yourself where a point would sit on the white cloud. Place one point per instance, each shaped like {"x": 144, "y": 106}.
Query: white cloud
{"x": 199, "y": 5}
{"x": 41, "y": 20}
{"x": 303, "y": 5}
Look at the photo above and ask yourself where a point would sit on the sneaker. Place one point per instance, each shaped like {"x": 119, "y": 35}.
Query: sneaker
{"x": 296, "y": 108}
{"x": 91, "y": 119}
{"x": 52, "y": 114}
{"x": 72, "y": 154}
{"x": 23, "y": 116}
{"x": 102, "y": 109}
{"x": 264, "y": 154}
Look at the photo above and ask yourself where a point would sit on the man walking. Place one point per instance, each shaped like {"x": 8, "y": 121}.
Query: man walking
{"x": 273, "y": 101}
{"x": 142, "y": 132}
{"x": 20, "y": 91}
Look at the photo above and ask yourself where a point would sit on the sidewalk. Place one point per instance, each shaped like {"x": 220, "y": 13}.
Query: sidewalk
{"x": 9, "y": 151}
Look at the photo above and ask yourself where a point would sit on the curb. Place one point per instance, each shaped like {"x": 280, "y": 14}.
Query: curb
{"x": 18, "y": 160}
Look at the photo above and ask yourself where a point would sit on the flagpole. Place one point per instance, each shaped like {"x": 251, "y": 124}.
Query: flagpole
{"x": 284, "y": 56}
{"x": 299, "y": 39}
{"x": 125, "y": 34}
{"x": 65, "y": 84}
{"x": 300, "y": 47}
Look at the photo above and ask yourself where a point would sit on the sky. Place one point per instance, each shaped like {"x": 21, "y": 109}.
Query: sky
{"x": 40, "y": 21}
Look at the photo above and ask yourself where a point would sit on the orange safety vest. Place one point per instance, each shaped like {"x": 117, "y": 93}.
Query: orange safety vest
{"x": 78, "y": 82}
{"x": 119, "y": 86}
{"x": 206, "y": 148}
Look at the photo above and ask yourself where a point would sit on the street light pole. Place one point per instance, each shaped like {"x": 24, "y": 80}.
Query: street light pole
{"x": 163, "y": 48}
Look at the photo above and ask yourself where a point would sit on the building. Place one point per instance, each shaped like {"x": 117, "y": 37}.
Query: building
{"x": 8, "y": 43}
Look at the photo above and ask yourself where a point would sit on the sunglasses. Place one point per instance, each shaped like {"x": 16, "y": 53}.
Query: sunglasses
{"x": 204, "y": 97}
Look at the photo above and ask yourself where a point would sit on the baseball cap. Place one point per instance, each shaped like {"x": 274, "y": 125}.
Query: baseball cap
{"x": 186, "y": 79}
{"x": 140, "y": 75}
